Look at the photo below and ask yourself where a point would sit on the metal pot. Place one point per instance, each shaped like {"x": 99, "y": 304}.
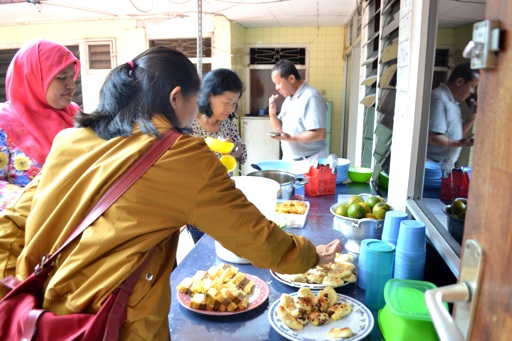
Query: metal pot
{"x": 455, "y": 225}
{"x": 287, "y": 182}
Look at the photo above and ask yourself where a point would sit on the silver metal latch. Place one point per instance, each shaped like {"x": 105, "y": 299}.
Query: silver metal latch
{"x": 483, "y": 48}
{"x": 464, "y": 294}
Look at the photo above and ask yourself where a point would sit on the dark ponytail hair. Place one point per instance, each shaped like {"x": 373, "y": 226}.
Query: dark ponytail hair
{"x": 135, "y": 91}
{"x": 215, "y": 83}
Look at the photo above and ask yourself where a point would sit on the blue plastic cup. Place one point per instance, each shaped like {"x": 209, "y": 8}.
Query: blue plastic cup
{"x": 361, "y": 265}
{"x": 392, "y": 225}
{"x": 409, "y": 266}
{"x": 361, "y": 277}
{"x": 411, "y": 237}
{"x": 410, "y": 255}
{"x": 380, "y": 257}
{"x": 362, "y": 251}
{"x": 409, "y": 258}
{"x": 404, "y": 266}
{"x": 414, "y": 274}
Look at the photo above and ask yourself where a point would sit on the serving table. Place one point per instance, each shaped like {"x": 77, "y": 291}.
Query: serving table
{"x": 254, "y": 324}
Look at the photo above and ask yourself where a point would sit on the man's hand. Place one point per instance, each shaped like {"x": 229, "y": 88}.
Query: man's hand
{"x": 467, "y": 141}
{"x": 272, "y": 103}
{"x": 282, "y": 136}
{"x": 327, "y": 253}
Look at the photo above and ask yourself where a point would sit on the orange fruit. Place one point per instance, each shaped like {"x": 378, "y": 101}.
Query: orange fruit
{"x": 354, "y": 200}
{"x": 369, "y": 215}
{"x": 342, "y": 210}
{"x": 373, "y": 200}
{"x": 379, "y": 210}
{"x": 356, "y": 211}
{"x": 367, "y": 207}
{"x": 458, "y": 206}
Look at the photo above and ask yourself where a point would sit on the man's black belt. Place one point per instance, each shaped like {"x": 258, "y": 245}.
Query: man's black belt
{"x": 303, "y": 157}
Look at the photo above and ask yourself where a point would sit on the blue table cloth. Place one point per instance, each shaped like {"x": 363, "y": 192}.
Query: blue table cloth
{"x": 254, "y": 325}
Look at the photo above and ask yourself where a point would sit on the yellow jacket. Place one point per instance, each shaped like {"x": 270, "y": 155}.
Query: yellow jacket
{"x": 187, "y": 185}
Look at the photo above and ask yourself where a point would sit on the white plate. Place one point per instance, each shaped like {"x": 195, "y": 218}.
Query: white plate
{"x": 360, "y": 321}
{"x": 260, "y": 294}
{"x": 301, "y": 284}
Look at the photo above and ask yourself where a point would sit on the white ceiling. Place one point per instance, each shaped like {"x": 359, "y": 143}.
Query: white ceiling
{"x": 249, "y": 13}
{"x": 462, "y": 12}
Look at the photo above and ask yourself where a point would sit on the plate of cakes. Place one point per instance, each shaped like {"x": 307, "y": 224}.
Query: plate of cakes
{"x": 222, "y": 290}
{"x": 335, "y": 274}
{"x": 320, "y": 315}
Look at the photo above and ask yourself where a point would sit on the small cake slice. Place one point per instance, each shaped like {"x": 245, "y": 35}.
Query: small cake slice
{"x": 228, "y": 273}
{"x": 211, "y": 300}
{"x": 198, "y": 301}
{"x": 243, "y": 283}
{"x": 185, "y": 286}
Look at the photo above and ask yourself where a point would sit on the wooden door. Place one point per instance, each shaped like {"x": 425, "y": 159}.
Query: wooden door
{"x": 489, "y": 216}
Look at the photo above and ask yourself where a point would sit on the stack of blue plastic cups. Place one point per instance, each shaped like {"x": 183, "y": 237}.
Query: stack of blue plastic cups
{"x": 378, "y": 263}
{"x": 410, "y": 250}
{"x": 361, "y": 265}
{"x": 391, "y": 226}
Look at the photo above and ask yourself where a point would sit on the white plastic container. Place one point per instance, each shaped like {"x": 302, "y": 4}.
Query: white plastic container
{"x": 262, "y": 192}
{"x": 292, "y": 220}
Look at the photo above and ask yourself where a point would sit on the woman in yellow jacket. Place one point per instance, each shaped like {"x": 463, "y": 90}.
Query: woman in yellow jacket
{"x": 139, "y": 102}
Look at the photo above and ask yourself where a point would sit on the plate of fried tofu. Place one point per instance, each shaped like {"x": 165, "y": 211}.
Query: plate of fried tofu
{"x": 222, "y": 290}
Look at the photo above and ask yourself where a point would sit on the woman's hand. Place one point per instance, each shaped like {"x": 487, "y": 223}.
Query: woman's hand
{"x": 237, "y": 152}
{"x": 327, "y": 253}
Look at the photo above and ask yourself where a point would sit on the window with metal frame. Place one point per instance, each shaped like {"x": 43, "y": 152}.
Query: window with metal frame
{"x": 188, "y": 46}
{"x": 100, "y": 55}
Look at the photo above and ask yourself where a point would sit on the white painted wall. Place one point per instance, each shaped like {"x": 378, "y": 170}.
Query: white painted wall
{"x": 405, "y": 146}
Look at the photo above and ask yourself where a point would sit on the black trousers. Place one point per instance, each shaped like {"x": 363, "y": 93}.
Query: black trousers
{"x": 195, "y": 233}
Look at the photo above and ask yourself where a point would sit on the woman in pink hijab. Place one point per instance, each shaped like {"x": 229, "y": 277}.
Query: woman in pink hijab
{"x": 40, "y": 84}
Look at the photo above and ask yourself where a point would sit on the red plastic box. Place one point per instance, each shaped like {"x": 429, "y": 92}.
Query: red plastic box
{"x": 321, "y": 181}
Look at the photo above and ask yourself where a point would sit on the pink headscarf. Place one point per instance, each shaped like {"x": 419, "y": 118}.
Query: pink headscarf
{"x": 27, "y": 118}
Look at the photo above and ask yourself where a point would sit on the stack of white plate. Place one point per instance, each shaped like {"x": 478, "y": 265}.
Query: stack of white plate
{"x": 341, "y": 170}
{"x": 433, "y": 175}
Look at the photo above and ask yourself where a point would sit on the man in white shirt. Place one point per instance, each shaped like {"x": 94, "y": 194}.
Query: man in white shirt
{"x": 301, "y": 124}
{"x": 446, "y": 127}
